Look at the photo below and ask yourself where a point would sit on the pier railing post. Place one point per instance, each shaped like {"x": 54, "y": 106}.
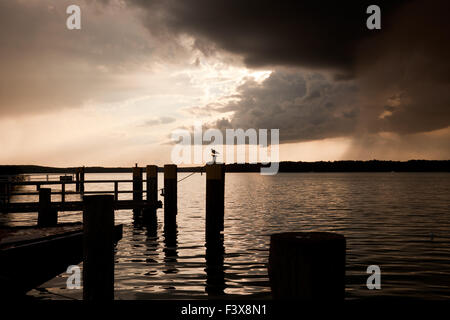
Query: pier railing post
{"x": 116, "y": 190}
{"x": 215, "y": 198}
{"x": 152, "y": 194}
{"x": 82, "y": 180}
{"x": 307, "y": 266}
{"x": 63, "y": 193}
{"x": 98, "y": 246}
{"x": 170, "y": 195}
{"x": 77, "y": 179}
{"x": 137, "y": 188}
{"x": 47, "y": 216}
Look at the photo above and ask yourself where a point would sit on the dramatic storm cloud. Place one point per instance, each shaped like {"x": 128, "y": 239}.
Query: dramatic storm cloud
{"x": 267, "y": 33}
{"x": 307, "y": 106}
{"x": 400, "y": 73}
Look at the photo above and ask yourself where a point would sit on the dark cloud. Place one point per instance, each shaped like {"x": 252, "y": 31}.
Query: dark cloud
{"x": 303, "y": 105}
{"x": 402, "y": 71}
{"x": 406, "y": 72}
{"x": 266, "y": 33}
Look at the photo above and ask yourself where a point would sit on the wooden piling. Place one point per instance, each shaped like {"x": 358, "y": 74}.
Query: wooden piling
{"x": 215, "y": 198}
{"x": 137, "y": 188}
{"x": 98, "y": 246}
{"x": 47, "y": 216}
{"x": 170, "y": 194}
{"x": 215, "y": 271}
{"x": 149, "y": 213}
{"x": 307, "y": 266}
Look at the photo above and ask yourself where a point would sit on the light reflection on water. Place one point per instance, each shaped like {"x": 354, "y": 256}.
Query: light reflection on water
{"x": 387, "y": 219}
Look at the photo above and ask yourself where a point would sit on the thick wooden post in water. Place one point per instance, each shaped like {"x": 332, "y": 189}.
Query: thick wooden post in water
{"x": 307, "y": 265}
{"x": 170, "y": 195}
{"x": 47, "y": 216}
{"x": 98, "y": 246}
{"x": 137, "y": 188}
{"x": 215, "y": 198}
{"x": 152, "y": 194}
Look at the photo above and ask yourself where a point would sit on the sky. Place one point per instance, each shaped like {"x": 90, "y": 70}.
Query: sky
{"x": 113, "y": 92}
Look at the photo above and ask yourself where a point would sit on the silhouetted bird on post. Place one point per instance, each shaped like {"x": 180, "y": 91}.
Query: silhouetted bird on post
{"x": 214, "y": 154}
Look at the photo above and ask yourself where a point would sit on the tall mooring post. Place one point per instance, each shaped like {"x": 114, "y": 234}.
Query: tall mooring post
{"x": 307, "y": 266}
{"x": 137, "y": 188}
{"x": 170, "y": 195}
{"x": 47, "y": 216}
{"x": 215, "y": 200}
{"x": 215, "y": 210}
{"x": 152, "y": 194}
{"x": 98, "y": 248}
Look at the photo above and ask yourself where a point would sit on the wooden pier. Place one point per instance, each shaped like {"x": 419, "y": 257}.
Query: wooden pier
{"x": 36, "y": 254}
{"x": 29, "y": 256}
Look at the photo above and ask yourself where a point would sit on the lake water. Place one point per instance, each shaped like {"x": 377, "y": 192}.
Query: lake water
{"x": 398, "y": 221}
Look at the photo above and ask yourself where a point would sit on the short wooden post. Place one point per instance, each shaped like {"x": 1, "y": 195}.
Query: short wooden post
{"x": 170, "y": 195}
{"x": 116, "y": 190}
{"x": 215, "y": 198}
{"x": 137, "y": 188}
{"x": 307, "y": 265}
{"x": 98, "y": 246}
{"x": 152, "y": 194}
{"x": 47, "y": 216}
{"x": 82, "y": 180}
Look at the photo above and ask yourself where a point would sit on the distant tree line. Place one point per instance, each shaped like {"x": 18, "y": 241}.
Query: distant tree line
{"x": 285, "y": 166}
{"x": 351, "y": 166}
